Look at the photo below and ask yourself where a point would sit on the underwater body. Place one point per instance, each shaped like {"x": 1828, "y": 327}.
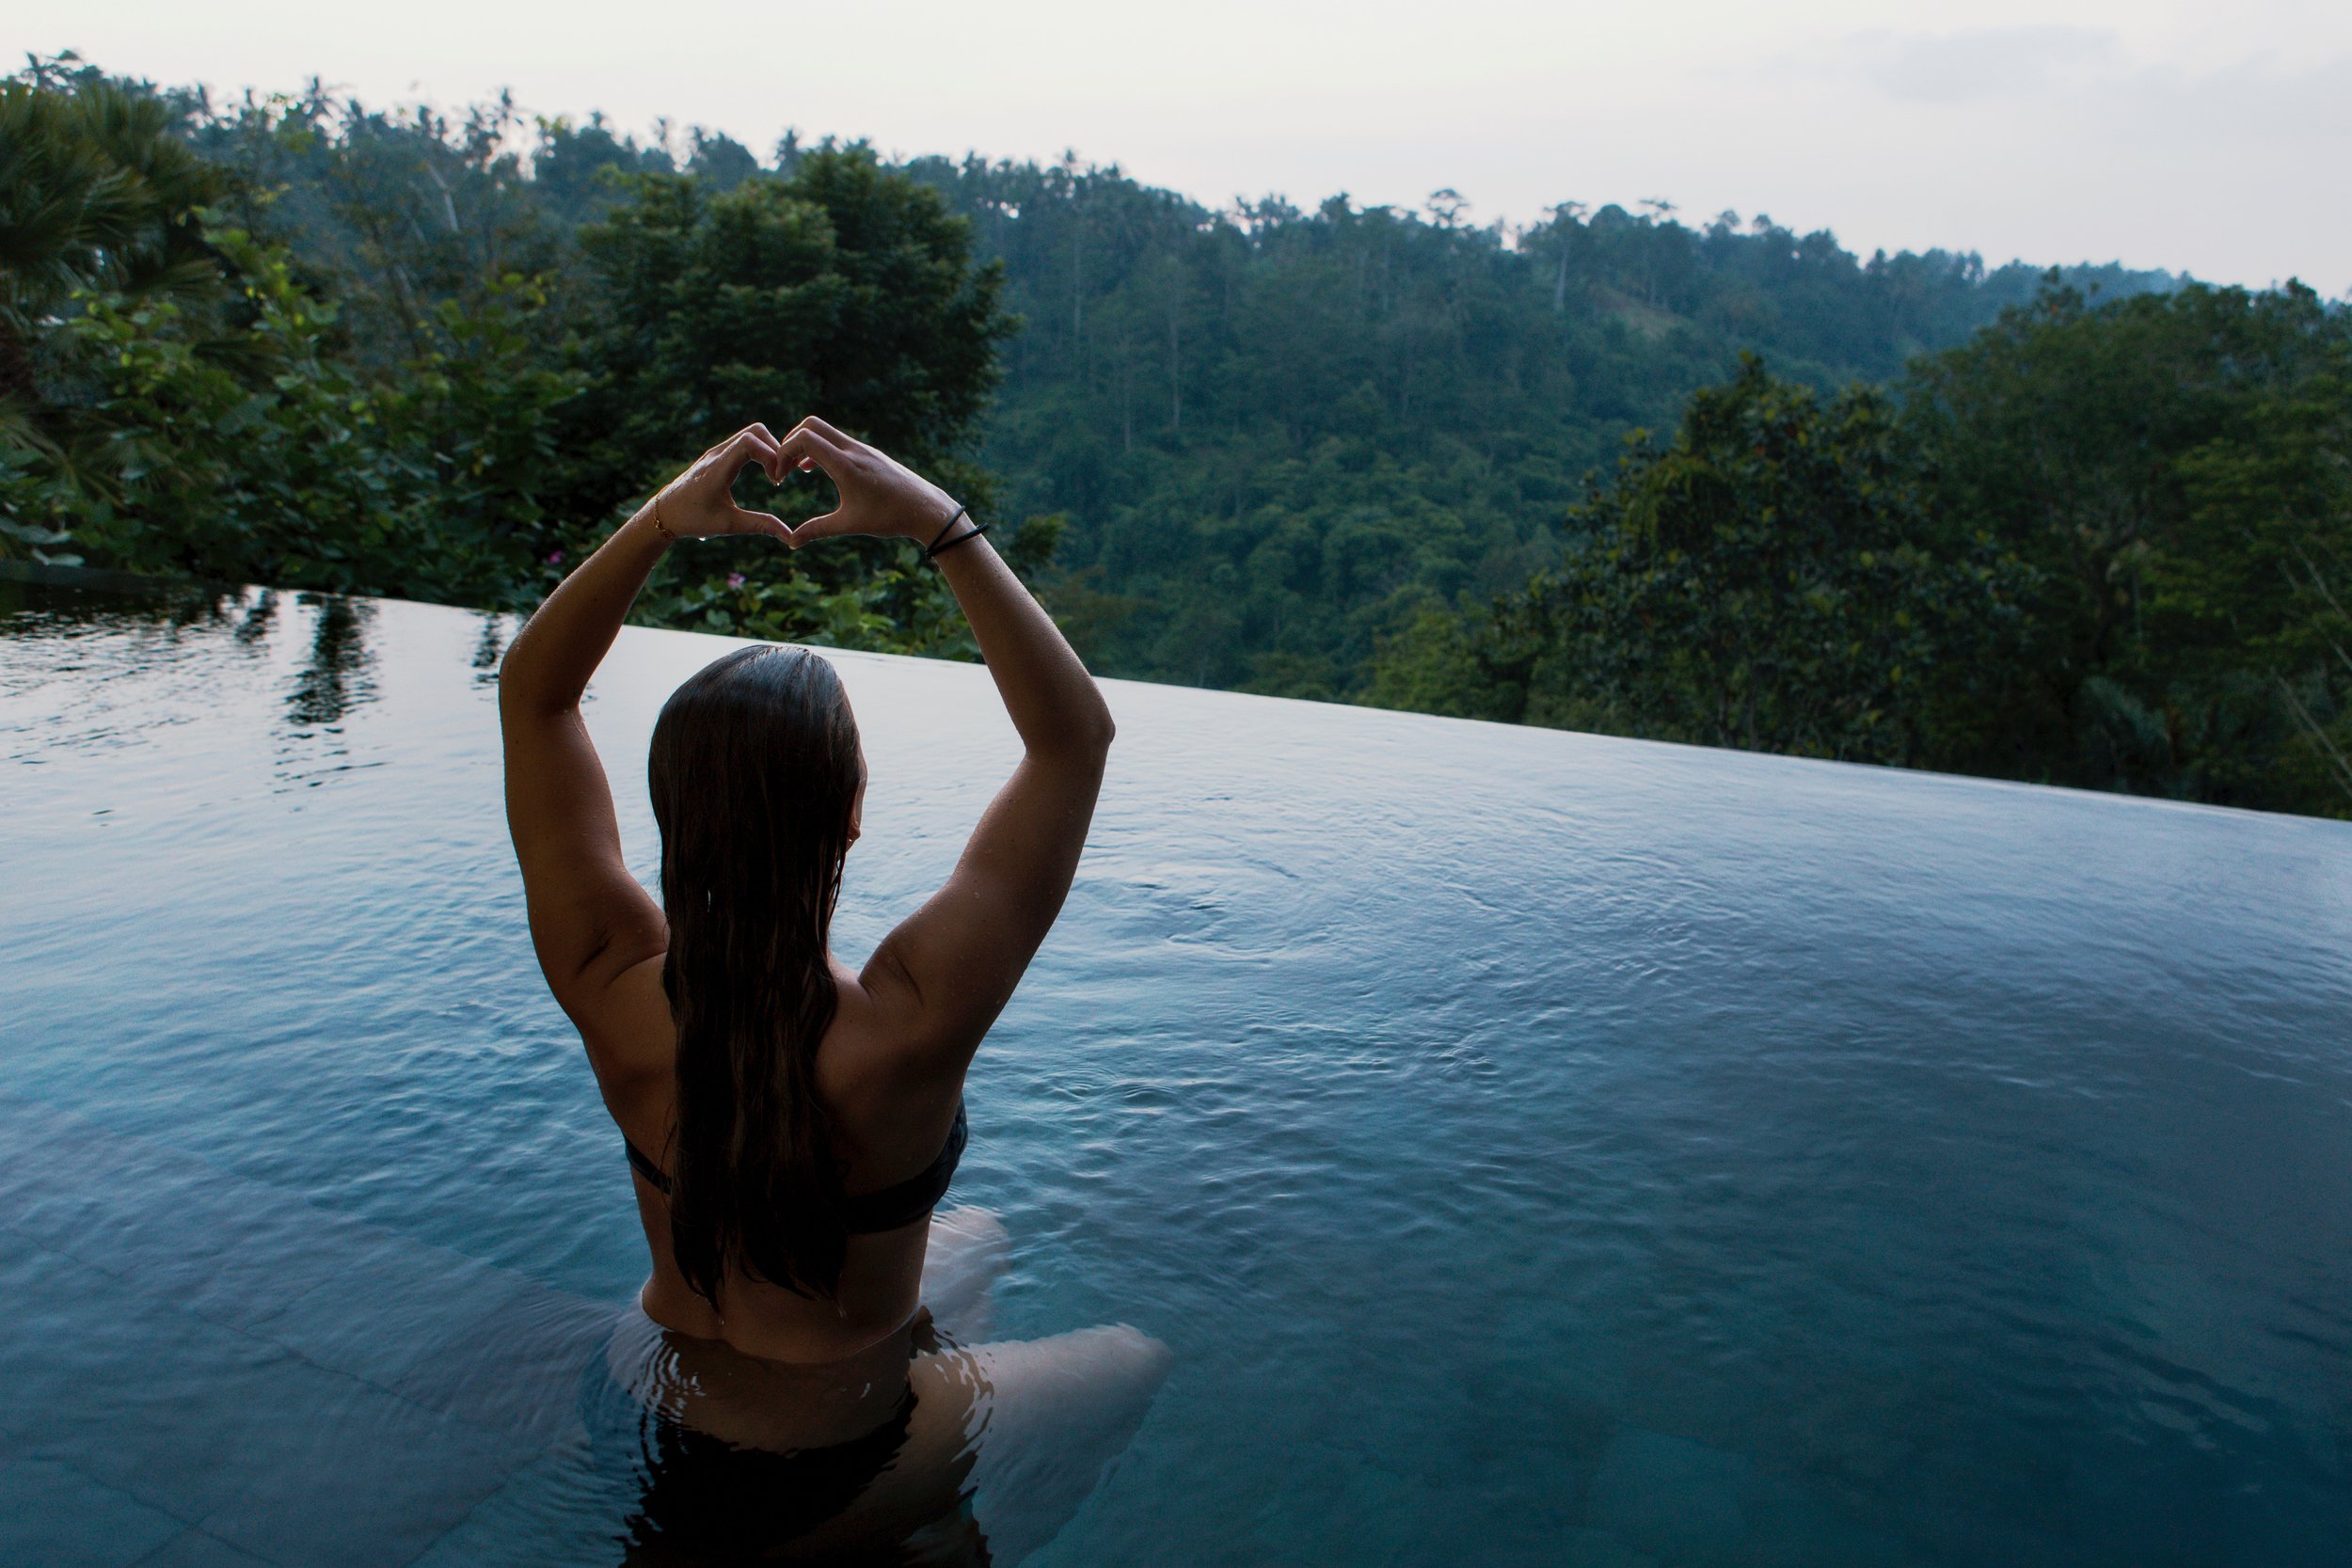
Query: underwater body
{"x": 1533, "y": 1148}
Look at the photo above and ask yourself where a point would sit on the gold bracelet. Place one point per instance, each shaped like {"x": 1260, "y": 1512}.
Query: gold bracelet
{"x": 659, "y": 527}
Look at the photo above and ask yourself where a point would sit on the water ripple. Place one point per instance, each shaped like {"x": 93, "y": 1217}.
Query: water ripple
{"x": 1537, "y": 1148}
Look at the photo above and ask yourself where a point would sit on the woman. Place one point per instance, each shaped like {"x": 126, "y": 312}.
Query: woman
{"x": 790, "y": 1122}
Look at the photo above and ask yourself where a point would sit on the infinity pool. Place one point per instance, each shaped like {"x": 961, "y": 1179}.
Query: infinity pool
{"x": 1536, "y": 1148}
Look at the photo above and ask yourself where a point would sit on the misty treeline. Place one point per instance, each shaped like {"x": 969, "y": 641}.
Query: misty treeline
{"x": 1711, "y": 482}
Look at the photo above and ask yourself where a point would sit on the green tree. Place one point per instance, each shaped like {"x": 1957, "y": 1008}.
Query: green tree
{"x": 95, "y": 196}
{"x": 283, "y": 466}
{"x": 390, "y": 214}
{"x": 1195, "y": 387}
{"x": 181, "y": 400}
{"x": 2247, "y": 632}
{"x": 843, "y": 289}
{"x": 2166, "y": 463}
{"x": 1768, "y": 580}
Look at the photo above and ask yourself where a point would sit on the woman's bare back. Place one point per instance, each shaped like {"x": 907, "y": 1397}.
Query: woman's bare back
{"x": 888, "y": 1123}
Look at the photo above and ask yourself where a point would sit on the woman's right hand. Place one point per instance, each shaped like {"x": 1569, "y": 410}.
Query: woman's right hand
{"x": 700, "y": 503}
{"x": 878, "y": 495}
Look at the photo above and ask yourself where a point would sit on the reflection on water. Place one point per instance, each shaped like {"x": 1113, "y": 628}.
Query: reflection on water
{"x": 1532, "y": 1149}
{"x": 335, "y": 679}
{"x": 260, "y": 617}
{"x": 490, "y": 649}
{"x": 39, "y": 600}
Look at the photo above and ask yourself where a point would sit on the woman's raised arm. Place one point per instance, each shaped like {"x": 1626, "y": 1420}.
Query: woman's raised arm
{"x": 590, "y": 921}
{"x": 951, "y": 967}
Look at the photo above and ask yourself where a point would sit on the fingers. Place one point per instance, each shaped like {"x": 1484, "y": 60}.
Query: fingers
{"x": 714, "y": 473}
{"x": 753, "y": 444}
{"x": 812, "y": 444}
{"x": 804, "y": 451}
{"x": 755, "y": 429}
{"x": 813, "y": 423}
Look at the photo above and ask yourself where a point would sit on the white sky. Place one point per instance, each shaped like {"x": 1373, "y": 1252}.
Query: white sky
{"x": 2215, "y": 138}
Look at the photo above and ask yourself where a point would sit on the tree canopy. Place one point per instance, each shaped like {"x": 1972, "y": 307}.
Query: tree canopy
{"x": 2095, "y": 546}
{"x": 2084, "y": 526}
{"x": 296, "y": 342}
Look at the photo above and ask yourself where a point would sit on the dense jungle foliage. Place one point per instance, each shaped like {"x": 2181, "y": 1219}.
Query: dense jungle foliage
{"x": 2083, "y": 526}
{"x": 2095, "y": 547}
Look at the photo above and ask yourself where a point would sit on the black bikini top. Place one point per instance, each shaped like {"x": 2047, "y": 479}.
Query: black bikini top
{"x": 901, "y": 1203}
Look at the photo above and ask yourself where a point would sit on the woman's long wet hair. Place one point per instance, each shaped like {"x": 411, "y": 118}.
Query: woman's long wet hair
{"x": 755, "y": 771}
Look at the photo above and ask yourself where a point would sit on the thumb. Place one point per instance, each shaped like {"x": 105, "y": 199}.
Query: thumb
{"x": 766, "y": 523}
{"x": 831, "y": 525}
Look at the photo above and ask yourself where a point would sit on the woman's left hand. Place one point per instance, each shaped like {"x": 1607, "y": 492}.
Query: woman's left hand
{"x": 700, "y": 503}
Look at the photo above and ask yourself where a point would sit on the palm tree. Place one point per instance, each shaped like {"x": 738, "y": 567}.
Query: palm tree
{"x": 96, "y": 193}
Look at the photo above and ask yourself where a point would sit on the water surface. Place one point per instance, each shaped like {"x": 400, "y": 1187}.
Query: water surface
{"x": 1535, "y": 1148}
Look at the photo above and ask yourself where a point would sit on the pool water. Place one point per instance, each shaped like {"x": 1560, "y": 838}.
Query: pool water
{"x": 1533, "y": 1148}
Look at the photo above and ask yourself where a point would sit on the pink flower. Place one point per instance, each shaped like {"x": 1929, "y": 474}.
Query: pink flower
{"x": 555, "y": 558}
{"x": 735, "y": 579}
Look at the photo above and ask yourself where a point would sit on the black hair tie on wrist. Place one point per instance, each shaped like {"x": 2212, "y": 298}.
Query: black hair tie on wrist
{"x": 939, "y": 549}
{"x": 931, "y": 548}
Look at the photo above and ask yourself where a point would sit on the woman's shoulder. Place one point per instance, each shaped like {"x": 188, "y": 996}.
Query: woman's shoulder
{"x": 869, "y": 1068}
{"x": 632, "y": 1043}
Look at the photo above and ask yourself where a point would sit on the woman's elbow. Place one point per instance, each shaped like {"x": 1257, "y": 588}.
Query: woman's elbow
{"x": 1101, "y": 728}
{"x": 521, "y": 695}
{"x": 514, "y": 687}
{"x": 1085, "y": 737}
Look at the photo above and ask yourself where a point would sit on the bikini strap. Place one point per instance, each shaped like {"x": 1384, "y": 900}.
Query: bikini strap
{"x": 646, "y": 1168}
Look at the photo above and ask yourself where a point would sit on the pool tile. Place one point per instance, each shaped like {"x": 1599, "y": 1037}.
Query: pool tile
{"x": 365, "y": 1479}
{"x": 1793, "y": 1525}
{"x": 1596, "y": 1548}
{"x": 272, "y": 1453}
{"x": 193, "y": 1549}
{"x": 53, "y": 1515}
{"x": 515, "y": 1369}
{"x": 46, "y": 1151}
{"x": 1668, "y": 1496}
{"x": 556, "y": 1512}
{"x": 207, "y": 1239}
{"x": 384, "y": 1308}
{"x": 220, "y": 1349}
{"x": 459, "y": 1336}
{"x": 120, "y": 1385}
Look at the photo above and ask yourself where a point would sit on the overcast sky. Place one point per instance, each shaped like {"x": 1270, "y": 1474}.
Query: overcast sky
{"x": 2207, "y": 137}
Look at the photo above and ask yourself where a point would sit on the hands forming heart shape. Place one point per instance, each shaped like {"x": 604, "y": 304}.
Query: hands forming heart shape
{"x": 878, "y": 495}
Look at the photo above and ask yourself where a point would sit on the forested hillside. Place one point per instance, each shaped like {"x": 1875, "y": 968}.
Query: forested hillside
{"x": 1714, "y": 481}
{"x": 2106, "y": 546}
{"x": 1274, "y": 432}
